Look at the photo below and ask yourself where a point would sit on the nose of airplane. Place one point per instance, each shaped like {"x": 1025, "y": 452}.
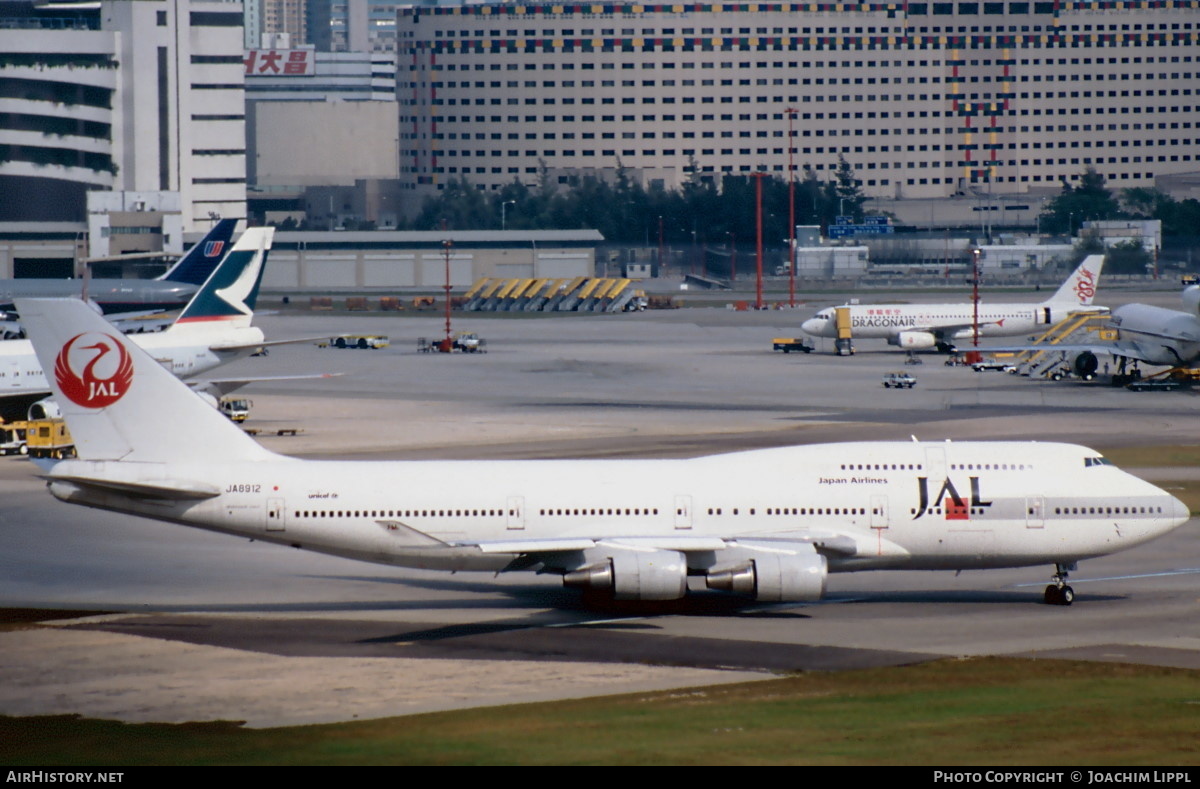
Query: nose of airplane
{"x": 1180, "y": 513}
{"x": 812, "y": 326}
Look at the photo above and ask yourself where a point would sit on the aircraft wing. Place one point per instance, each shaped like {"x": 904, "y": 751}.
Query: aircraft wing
{"x": 1122, "y": 348}
{"x": 266, "y": 343}
{"x": 139, "y": 322}
{"x": 825, "y": 541}
{"x": 948, "y": 330}
{"x": 223, "y": 386}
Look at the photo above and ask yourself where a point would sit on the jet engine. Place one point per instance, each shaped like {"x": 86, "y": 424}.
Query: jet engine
{"x": 46, "y": 408}
{"x": 775, "y": 578}
{"x": 635, "y": 575}
{"x": 913, "y": 340}
{"x": 1085, "y": 365}
{"x": 1191, "y": 299}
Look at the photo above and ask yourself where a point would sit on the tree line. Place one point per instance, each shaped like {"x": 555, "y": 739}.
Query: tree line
{"x": 626, "y": 212}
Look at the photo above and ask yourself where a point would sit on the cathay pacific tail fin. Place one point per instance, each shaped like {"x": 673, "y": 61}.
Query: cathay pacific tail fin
{"x": 231, "y": 291}
{"x": 119, "y": 403}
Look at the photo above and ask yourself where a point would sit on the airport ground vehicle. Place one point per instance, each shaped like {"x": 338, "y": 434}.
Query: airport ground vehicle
{"x": 464, "y": 341}
{"x": 789, "y": 344}
{"x": 49, "y": 438}
{"x": 1156, "y": 385}
{"x": 12, "y": 439}
{"x": 899, "y": 381}
{"x": 373, "y": 341}
{"x": 992, "y": 364}
{"x": 236, "y": 408}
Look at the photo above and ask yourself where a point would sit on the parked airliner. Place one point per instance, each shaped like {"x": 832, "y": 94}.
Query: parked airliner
{"x": 921, "y": 326}
{"x": 169, "y": 292}
{"x": 769, "y": 524}
{"x": 213, "y": 329}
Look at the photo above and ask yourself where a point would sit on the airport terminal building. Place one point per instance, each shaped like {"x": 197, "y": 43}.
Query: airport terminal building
{"x": 923, "y": 99}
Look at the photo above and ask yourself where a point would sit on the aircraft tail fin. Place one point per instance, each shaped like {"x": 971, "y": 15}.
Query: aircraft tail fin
{"x": 202, "y": 259}
{"x": 1080, "y": 287}
{"x": 119, "y": 403}
{"x": 231, "y": 291}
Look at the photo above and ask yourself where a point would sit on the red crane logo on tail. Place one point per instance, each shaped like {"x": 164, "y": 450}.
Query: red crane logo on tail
{"x": 93, "y": 370}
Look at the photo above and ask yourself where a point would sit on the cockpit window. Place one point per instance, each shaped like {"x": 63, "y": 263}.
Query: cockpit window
{"x": 1096, "y": 461}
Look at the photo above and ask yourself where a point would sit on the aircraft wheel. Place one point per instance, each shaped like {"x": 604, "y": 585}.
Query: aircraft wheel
{"x": 1067, "y": 595}
{"x": 1053, "y": 595}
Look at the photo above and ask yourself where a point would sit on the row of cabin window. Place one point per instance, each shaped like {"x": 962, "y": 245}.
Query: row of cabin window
{"x": 989, "y": 466}
{"x": 1108, "y": 510}
{"x": 881, "y": 467}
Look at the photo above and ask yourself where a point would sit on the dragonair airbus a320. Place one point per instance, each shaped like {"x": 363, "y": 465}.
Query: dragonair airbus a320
{"x": 921, "y": 326}
{"x": 769, "y": 524}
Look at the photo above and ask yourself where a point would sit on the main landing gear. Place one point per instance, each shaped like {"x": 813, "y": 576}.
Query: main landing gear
{"x": 1059, "y": 593}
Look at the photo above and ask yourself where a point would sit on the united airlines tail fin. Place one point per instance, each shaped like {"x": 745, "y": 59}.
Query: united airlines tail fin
{"x": 119, "y": 403}
{"x": 1080, "y": 287}
{"x": 231, "y": 291}
{"x": 202, "y": 259}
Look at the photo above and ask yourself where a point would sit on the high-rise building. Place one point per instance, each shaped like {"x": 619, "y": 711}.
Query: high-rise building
{"x": 285, "y": 16}
{"x": 922, "y": 99}
{"x": 139, "y": 97}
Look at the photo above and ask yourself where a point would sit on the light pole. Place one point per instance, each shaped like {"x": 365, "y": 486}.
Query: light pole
{"x": 758, "y": 287}
{"x": 975, "y": 253}
{"x": 791, "y": 113}
{"x": 662, "y": 264}
{"x": 448, "y": 343}
{"x": 504, "y": 213}
{"x": 732, "y": 257}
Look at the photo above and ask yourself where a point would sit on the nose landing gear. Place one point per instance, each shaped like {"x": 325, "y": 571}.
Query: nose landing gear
{"x": 1058, "y": 592}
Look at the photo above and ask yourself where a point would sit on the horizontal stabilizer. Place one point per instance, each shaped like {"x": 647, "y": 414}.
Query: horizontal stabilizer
{"x": 158, "y": 489}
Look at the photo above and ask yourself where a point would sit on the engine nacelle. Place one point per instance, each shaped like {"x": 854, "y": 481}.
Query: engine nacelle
{"x": 913, "y": 340}
{"x": 46, "y": 408}
{"x": 1191, "y": 299}
{"x": 635, "y": 575}
{"x": 1085, "y": 365}
{"x": 775, "y": 578}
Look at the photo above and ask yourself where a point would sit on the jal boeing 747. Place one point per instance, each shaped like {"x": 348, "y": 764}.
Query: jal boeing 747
{"x": 921, "y": 326}
{"x": 769, "y": 524}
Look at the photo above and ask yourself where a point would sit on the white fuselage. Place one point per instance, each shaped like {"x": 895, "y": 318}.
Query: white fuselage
{"x": 946, "y": 321}
{"x": 1159, "y": 335}
{"x": 185, "y": 350}
{"x": 863, "y": 505}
